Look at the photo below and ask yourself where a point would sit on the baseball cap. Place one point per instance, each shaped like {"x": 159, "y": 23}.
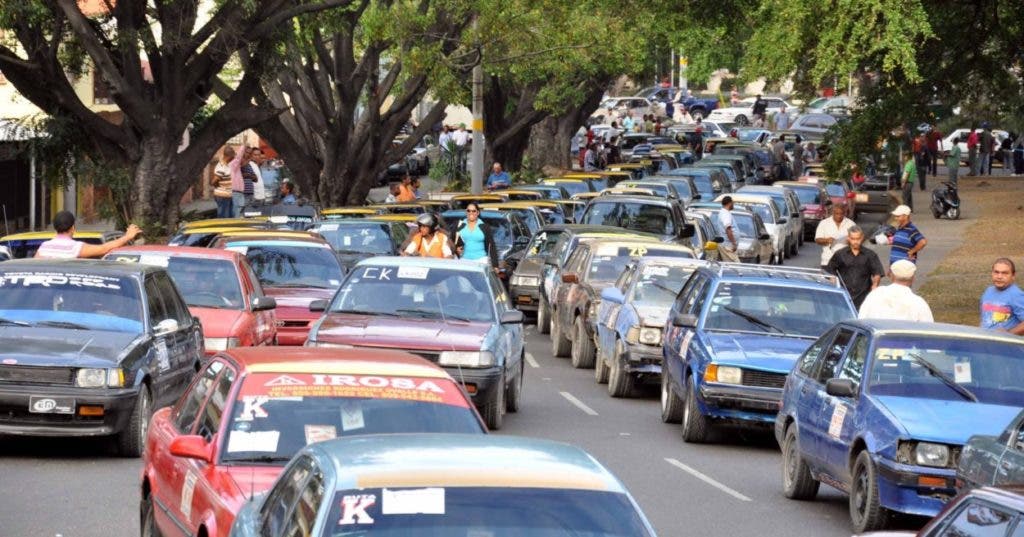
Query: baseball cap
{"x": 903, "y": 269}
{"x": 902, "y": 210}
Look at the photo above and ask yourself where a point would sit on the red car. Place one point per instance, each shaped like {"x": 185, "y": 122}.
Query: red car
{"x": 219, "y": 287}
{"x": 840, "y": 192}
{"x": 249, "y": 410}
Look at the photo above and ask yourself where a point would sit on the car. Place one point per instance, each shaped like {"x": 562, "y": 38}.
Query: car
{"x": 91, "y": 347}
{"x": 733, "y": 334}
{"x": 709, "y": 129}
{"x": 645, "y": 214}
{"x": 841, "y": 193}
{"x": 592, "y": 267}
{"x": 411, "y": 207}
{"x": 749, "y": 168}
{"x": 433, "y": 485}
{"x": 996, "y": 511}
{"x": 705, "y": 238}
{"x": 616, "y": 107}
{"x": 663, "y": 189}
{"x": 684, "y": 185}
{"x": 219, "y": 287}
{"x": 755, "y": 135}
{"x": 454, "y": 313}
{"x": 525, "y": 284}
{"x": 510, "y": 234}
{"x": 630, "y": 140}
{"x": 990, "y": 460}
{"x": 774, "y": 222}
{"x": 743, "y": 114}
{"x": 295, "y": 271}
{"x": 815, "y": 204}
{"x": 5, "y": 253}
{"x": 348, "y": 213}
{"x": 959, "y": 137}
{"x": 710, "y": 182}
{"x": 730, "y": 169}
{"x": 789, "y": 206}
{"x": 753, "y": 242}
{"x": 417, "y": 162}
{"x": 281, "y": 216}
{"x": 828, "y": 105}
{"x": 250, "y": 410}
{"x": 813, "y": 126}
{"x": 359, "y": 238}
{"x": 881, "y": 409}
{"x": 529, "y": 213}
{"x": 548, "y": 192}
{"x": 630, "y": 320}
{"x": 202, "y": 237}
{"x": 24, "y": 245}
{"x": 879, "y": 193}
{"x": 571, "y": 186}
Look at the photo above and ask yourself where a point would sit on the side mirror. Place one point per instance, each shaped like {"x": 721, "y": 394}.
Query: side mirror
{"x": 522, "y": 240}
{"x": 686, "y": 231}
{"x": 612, "y": 294}
{"x": 795, "y": 215}
{"x": 697, "y": 196}
{"x": 263, "y": 303}
{"x": 841, "y": 387}
{"x": 783, "y": 220}
{"x": 684, "y": 320}
{"x": 764, "y": 237}
{"x": 165, "y": 327}
{"x": 718, "y": 238}
{"x": 192, "y": 447}
{"x": 512, "y": 317}
{"x": 570, "y": 277}
{"x": 318, "y": 305}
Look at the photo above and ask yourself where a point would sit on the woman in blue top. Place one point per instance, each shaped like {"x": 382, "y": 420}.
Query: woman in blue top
{"x": 473, "y": 239}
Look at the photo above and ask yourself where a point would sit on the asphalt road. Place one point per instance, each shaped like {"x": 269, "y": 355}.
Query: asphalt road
{"x": 73, "y": 488}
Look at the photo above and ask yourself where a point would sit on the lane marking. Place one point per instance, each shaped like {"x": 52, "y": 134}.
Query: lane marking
{"x": 532, "y": 361}
{"x": 708, "y": 480}
{"x": 579, "y": 404}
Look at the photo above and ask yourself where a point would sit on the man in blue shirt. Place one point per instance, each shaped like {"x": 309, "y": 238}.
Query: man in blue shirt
{"x": 907, "y": 241}
{"x": 288, "y": 193}
{"x": 498, "y": 178}
{"x": 1002, "y": 304}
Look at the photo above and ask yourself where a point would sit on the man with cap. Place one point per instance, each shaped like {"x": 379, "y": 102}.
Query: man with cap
{"x": 897, "y": 300}
{"x": 64, "y": 246}
{"x": 1002, "y": 304}
{"x": 907, "y": 241}
{"x": 428, "y": 241}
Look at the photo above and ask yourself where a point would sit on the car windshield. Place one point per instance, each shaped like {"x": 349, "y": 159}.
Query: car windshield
{"x": 70, "y": 299}
{"x": 659, "y": 284}
{"x": 704, "y": 186}
{"x": 636, "y": 216}
{"x": 412, "y": 291}
{"x": 683, "y": 187}
{"x": 485, "y": 511}
{"x": 543, "y": 243}
{"x": 835, "y": 190}
{"x": 725, "y": 167}
{"x": 574, "y": 187}
{"x": 791, "y": 310}
{"x": 552, "y": 193}
{"x": 748, "y": 136}
{"x": 277, "y": 414}
{"x": 743, "y": 225}
{"x": 987, "y": 368}
{"x": 629, "y": 142}
{"x": 661, "y": 189}
{"x": 361, "y": 238}
{"x": 610, "y": 260}
{"x": 808, "y": 195}
{"x": 287, "y": 265}
{"x": 203, "y": 283}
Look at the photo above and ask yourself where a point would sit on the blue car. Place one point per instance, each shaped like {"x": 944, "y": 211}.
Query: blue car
{"x": 881, "y": 410}
{"x": 733, "y": 334}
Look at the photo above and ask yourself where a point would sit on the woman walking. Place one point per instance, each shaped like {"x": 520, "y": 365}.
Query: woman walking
{"x": 473, "y": 238}
{"x": 221, "y": 182}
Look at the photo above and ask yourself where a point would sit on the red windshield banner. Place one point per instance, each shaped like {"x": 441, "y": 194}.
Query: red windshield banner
{"x": 416, "y": 389}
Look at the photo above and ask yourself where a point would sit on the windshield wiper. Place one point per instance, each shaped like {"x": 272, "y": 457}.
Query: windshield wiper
{"x": 63, "y": 324}
{"x": 262, "y": 459}
{"x": 12, "y": 322}
{"x": 753, "y": 319}
{"x": 368, "y": 312}
{"x": 939, "y": 374}
{"x": 432, "y": 314}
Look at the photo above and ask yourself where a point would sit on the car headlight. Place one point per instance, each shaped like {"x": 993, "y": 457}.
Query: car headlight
{"x": 466, "y": 358}
{"x": 929, "y": 454}
{"x": 723, "y": 374}
{"x": 221, "y": 343}
{"x": 525, "y": 281}
{"x": 98, "y": 378}
{"x": 592, "y": 310}
{"x": 650, "y": 336}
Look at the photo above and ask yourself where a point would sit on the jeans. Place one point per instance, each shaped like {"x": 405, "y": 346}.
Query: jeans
{"x": 238, "y": 201}
{"x": 985, "y": 164}
{"x": 224, "y": 207}
{"x": 972, "y": 160}
{"x": 933, "y": 162}
{"x": 908, "y": 194}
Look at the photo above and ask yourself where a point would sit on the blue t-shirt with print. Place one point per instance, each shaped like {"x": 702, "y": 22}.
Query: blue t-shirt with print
{"x": 903, "y": 240}
{"x": 1002, "y": 308}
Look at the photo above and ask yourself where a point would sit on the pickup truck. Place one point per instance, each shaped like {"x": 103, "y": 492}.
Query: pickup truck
{"x": 696, "y": 106}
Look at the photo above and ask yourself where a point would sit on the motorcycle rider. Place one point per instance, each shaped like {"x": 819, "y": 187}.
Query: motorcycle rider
{"x": 428, "y": 240}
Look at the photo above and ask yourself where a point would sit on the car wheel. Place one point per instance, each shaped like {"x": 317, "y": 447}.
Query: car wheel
{"x": 600, "y": 369}
{"x": 621, "y": 383}
{"x": 696, "y": 426}
{"x": 559, "y": 344}
{"x": 582, "y": 346}
{"x": 786, "y": 250}
{"x": 671, "y": 405}
{"x": 742, "y": 120}
{"x": 543, "y": 317}
{"x": 797, "y": 482}
{"x": 794, "y": 248}
{"x": 132, "y": 440}
{"x": 494, "y": 411}
{"x": 147, "y": 519}
{"x": 953, "y": 213}
{"x": 866, "y": 513}
{"x": 515, "y": 390}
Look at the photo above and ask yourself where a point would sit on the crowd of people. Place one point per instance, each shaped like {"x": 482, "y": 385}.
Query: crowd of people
{"x": 245, "y": 176}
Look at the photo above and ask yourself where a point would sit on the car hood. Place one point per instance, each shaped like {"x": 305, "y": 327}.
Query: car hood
{"x": 407, "y": 333}
{"x": 217, "y": 322}
{"x": 775, "y": 354}
{"x": 297, "y": 297}
{"x": 251, "y": 480}
{"x": 62, "y": 347}
{"x": 950, "y": 422}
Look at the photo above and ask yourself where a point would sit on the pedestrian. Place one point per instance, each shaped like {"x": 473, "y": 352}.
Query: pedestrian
{"x": 445, "y": 140}
{"x": 934, "y": 147}
{"x": 249, "y": 178}
{"x": 734, "y": 96}
{"x": 798, "y": 159}
{"x": 897, "y": 300}
{"x": 920, "y": 146}
{"x": 238, "y": 186}
{"x": 758, "y": 110}
{"x": 461, "y": 139}
{"x": 1002, "y": 304}
{"x": 611, "y": 133}
{"x": 986, "y": 144}
{"x": 221, "y": 182}
{"x": 498, "y": 179}
{"x": 781, "y": 159}
{"x": 657, "y": 127}
{"x": 259, "y": 192}
{"x": 474, "y": 239}
{"x": 831, "y": 233}
{"x": 810, "y": 153}
{"x": 725, "y": 221}
{"x": 64, "y": 245}
{"x": 1005, "y": 153}
{"x": 405, "y": 191}
{"x": 953, "y": 163}
{"x": 856, "y": 176}
{"x": 287, "y": 193}
{"x": 416, "y": 194}
{"x": 627, "y": 123}
{"x": 972, "y": 152}
{"x": 1018, "y": 155}
{"x": 909, "y": 176}
{"x": 907, "y": 241}
{"x": 670, "y": 109}
{"x": 394, "y": 190}
{"x": 590, "y": 159}
{"x": 782, "y": 120}
{"x": 649, "y": 123}
{"x": 270, "y": 173}
{"x": 428, "y": 241}
{"x": 859, "y": 268}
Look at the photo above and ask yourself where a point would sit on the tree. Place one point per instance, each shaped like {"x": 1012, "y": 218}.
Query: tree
{"x": 160, "y": 65}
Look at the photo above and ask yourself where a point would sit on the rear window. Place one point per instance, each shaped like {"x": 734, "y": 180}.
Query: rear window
{"x": 644, "y": 217}
{"x": 362, "y": 238}
{"x": 204, "y": 283}
{"x": 808, "y": 195}
{"x": 289, "y": 265}
{"x": 835, "y": 189}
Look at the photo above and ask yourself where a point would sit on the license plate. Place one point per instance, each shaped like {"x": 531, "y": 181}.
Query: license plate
{"x": 525, "y": 299}
{"x": 51, "y": 405}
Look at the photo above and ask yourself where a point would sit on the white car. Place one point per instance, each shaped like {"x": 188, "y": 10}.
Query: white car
{"x": 774, "y": 222}
{"x": 615, "y": 108}
{"x": 743, "y": 114}
{"x": 959, "y": 137}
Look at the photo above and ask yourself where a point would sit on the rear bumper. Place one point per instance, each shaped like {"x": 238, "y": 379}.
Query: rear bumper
{"x": 525, "y": 298}
{"x": 15, "y": 418}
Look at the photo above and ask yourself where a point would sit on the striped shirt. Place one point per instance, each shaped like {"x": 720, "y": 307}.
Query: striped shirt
{"x": 248, "y": 177}
{"x": 903, "y": 241}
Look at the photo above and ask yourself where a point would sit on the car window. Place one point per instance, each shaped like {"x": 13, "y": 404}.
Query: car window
{"x": 303, "y": 516}
{"x": 978, "y": 519}
{"x": 209, "y": 423}
{"x": 184, "y": 415}
{"x": 810, "y": 356}
{"x": 276, "y": 510}
{"x": 696, "y": 296}
{"x": 833, "y": 354}
{"x": 155, "y": 305}
{"x": 684, "y": 293}
{"x": 853, "y": 366}
{"x": 257, "y": 290}
{"x": 176, "y": 308}
{"x": 577, "y": 259}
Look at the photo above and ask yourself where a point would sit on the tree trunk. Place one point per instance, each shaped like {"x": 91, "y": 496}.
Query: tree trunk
{"x": 550, "y": 140}
{"x": 158, "y": 184}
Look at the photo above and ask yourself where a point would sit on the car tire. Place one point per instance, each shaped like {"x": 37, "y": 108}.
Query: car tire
{"x": 147, "y": 518}
{"x": 132, "y": 440}
{"x": 671, "y": 404}
{"x": 559, "y": 344}
{"x": 696, "y": 426}
{"x": 582, "y": 345}
{"x": 794, "y": 248}
{"x": 787, "y": 250}
{"x": 797, "y": 482}
{"x": 600, "y": 370}
{"x": 543, "y": 316}
{"x": 515, "y": 390}
{"x": 866, "y": 512}
{"x": 494, "y": 410}
{"x": 742, "y": 120}
{"x": 953, "y": 213}
{"x": 621, "y": 383}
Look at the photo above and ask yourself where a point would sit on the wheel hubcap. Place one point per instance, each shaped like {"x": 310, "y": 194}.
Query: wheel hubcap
{"x": 860, "y": 496}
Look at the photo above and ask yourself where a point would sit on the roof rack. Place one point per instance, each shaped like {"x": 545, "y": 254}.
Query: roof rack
{"x": 807, "y": 274}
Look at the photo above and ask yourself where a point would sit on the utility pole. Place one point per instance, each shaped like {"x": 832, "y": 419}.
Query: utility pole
{"x": 476, "y": 158}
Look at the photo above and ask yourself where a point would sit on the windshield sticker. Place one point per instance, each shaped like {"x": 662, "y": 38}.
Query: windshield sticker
{"x": 835, "y": 426}
{"x": 163, "y": 359}
{"x": 249, "y": 214}
{"x": 187, "y": 492}
{"x": 378, "y": 273}
{"x": 260, "y": 441}
{"x": 890, "y": 354}
{"x": 240, "y": 249}
{"x": 352, "y": 416}
{"x": 279, "y": 219}
{"x": 320, "y": 433}
{"x": 57, "y": 279}
{"x": 284, "y": 380}
{"x": 413, "y": 273}
{"x": 655, "y": 271}
{"x": 962, "y": 372}
{"x": 328, "y": 227}
{"x": 353, "y": 509}
{"x": 429, "y": 501}
{"x": 253, "y": 407}
{"x": 346, "y": 240}
{"x": 154, "y": 260}
{"x": 262, "y": 387}
{"x": 637, "y": 251}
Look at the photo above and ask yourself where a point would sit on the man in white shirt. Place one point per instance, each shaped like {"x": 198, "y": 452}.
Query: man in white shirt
{"x": 259, "y": 191}
{"x": 897, "y": 300}
{"x": 782, "y": 120}
{"x": 832, "y": 232}
{"x": 727, "y": 252}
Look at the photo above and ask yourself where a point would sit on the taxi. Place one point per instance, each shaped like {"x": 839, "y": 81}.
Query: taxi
{"x": 547, "y": 192}
{"x": 24, "y": 245}
{"x": 452, "y": 485}
{"x": 585, "y": 196}
{"x": 250, "y": 410}
{"x": 222, "y": 238}
{"x": 295, "y": 271}
{"x": 203, "y": 236}
{"x": 279, "y": 215}
{"x": 528, "y": 212}
{"x": 358, "y": 239}
{"x": 460, "y": 201}
{"x": 572, "y": 209}
{"x": 518, "y": 194}
{"x": 452, "y": 312}
{"x": 219, "y": 288}
{"x": 435, "y": 205}
{"x": 596, "y": 179}
{"x": 571, "y": 186}
{"x": 222, "y": 222}
{"x": 399, "y": 208}
{"x": 636, "y": 170}
{"x": 524, "y": 285}
{"x": 346, "y": 213}
{"x": 629, "y": 190}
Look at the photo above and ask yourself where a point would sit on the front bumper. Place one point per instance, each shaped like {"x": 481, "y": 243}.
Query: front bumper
{"x": 740, "y": 403}
{"x": 480, "y": 384}
{"x": 900, "y": 490}
{"x": 525, "y": 298}
{"x": 643, "y": 359}
{"x": 15, "y": 418}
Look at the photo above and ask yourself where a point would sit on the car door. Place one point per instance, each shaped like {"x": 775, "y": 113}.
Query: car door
{"x": 511, "y": 334}
{"x": 1010, "y": 468}
{"x": 277, "y": 509}
{"x": 673, "y": 348}
{"x": 801, "y": 384}
{"x": 265, "y": 321}
{"x": 184, "y": 345}
{"x": 691, "y": 349}
{"x": 844, "y": 414}
{"x": 207, "y": 489}
{"x": 608, "y": 314}
{"x": 566, "y": 291}
{"x": 975, "y": 516}
{"x": 818, "y": 411}
{"x": 161, "y": 368}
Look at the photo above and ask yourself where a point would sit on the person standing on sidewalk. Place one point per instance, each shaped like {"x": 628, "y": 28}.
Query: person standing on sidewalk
{"x": 831, "y": 233}
{"x": 909, "y": 176}
{"x": 859, "y": 268}
{"x": 953, "y": 163}
{"x": 242, "y": 178}
{"x": 921, "y": 156}
{"x": 897, "y": 300}
{"x": 727, "y": 253}
{"x": 907, "y": 241}
{"x": 972, "y": 152}
{"x": 221, "y": 183}
{"x": 1002, "y": 304}
{"x": 985, "y": 147}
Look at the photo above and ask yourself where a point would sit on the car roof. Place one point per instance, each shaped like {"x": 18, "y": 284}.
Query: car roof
{"x": 461, "y": 460}
{"x": 180, "y": 251}
{"x": 217, "y": 222}
{"x": 333, "y": 361}
{"x": 88, "y": 266}
{"x": 675, "y": 261}
{"x": 804, "y": 277}
{"x": 427, "y": 262}
{"x": 622, "y": 198}
{"x": 886, "y": 326}
{"x": 213, "y": 230}
{"x": 302, "y": 242}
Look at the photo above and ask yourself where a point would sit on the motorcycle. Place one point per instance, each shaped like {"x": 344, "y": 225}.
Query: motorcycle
{"x": 946, "y": 201}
